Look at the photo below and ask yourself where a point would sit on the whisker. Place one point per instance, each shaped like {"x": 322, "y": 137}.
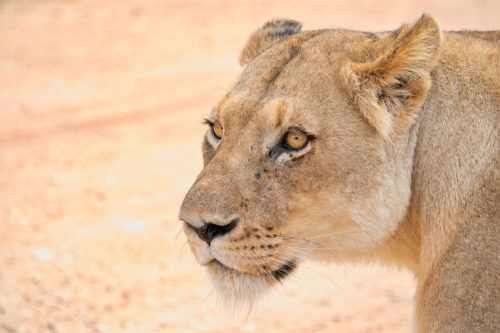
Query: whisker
{"x": 333, "y": 233}
{"x": 282, "y": 261}
{"x": 303, "y": 246}
{"x": 183, "y": 245}
{"x": 209, "y": 294}
{"x": 332, "y": 251}
{"x": 267, "y": 273}
{"x": 287, "y": 237}
{"x": 322, "y": 275}
{"x": 309, "y": 248}
{"x": 177, "y": 236}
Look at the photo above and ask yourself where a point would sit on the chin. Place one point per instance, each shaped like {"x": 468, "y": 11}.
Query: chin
{"x": 240, "y": 291}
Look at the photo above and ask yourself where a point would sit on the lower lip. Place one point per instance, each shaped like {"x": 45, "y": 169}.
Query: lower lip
{"x": 278, "y": 274}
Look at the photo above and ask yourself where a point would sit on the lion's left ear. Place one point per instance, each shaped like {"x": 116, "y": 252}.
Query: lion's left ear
{"x": 391, "y": 89}
{"x": 272, "y": 32}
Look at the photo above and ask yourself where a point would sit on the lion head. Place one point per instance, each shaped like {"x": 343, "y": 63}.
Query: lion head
{"x": 309, "y": 155}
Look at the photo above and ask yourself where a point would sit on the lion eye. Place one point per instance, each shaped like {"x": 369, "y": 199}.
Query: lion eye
{"x": 295, "y": 140}
{"x": 217, "y": 131}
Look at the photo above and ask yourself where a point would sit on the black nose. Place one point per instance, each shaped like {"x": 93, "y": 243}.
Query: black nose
{"x": 210, "y": 231}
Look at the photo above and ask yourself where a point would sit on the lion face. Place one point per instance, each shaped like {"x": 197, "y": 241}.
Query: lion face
{"x": 292, "y": 168}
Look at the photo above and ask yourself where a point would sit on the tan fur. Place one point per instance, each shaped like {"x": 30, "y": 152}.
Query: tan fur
{"x": 272, "y": 32}
{"x": 402, "y": 165}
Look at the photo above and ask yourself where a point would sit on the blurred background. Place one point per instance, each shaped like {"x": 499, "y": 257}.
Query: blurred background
{"x": 101, "y": 106}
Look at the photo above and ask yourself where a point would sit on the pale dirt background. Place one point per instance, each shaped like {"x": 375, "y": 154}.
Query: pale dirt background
{"x": 100, "y": 123}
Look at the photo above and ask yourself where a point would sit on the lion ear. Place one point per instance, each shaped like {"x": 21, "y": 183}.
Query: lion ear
{"x": 391, "y": 89}
{"x": 272, "y": 32}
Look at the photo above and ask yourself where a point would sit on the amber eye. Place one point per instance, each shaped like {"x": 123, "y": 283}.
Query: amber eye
{"x": 217, "y": 131}
{"x": 295, "y": 140}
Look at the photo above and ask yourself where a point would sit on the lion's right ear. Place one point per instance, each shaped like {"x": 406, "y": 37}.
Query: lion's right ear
{"x": 391, "y": 89}
{"x": 272, "y": 32}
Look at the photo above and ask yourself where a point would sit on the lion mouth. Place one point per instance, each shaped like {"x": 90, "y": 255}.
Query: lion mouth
{"x": 240, "y": 289}
{"x": 278, "y": 274}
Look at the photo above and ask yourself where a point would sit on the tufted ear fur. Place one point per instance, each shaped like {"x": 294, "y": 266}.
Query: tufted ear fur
{"x": 391, "y": 89}
{"x": 272, "y": 32}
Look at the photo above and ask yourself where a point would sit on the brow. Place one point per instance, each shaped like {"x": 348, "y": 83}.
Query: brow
{"x": 219, "y": 106}
{"x": 281, "y": 111}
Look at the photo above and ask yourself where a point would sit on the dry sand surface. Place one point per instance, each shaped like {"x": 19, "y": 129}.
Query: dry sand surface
{"x": 100, "y": 124}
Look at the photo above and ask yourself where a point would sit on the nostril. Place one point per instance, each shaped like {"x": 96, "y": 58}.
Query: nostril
{"x": 214, "y": 230}
{"x": 210, "y": 231}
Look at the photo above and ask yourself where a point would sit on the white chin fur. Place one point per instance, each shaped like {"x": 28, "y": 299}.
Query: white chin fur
{"x": 238, "y": 291}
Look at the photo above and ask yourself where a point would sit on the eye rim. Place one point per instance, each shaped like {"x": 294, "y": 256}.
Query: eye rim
{"x": 214, "y": 132}
{"x": 296, "y": 130}
{"x": 212, "y": 125}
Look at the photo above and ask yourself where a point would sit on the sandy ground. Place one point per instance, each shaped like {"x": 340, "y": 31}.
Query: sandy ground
{"x": 100, "y": 123}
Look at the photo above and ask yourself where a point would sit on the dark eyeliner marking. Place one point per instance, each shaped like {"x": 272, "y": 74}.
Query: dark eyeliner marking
{"x": 297, "y": 129}
{"x": 277, "y": 150}
{"x": 211, "y": 123}
{"x": 301, "y": 130}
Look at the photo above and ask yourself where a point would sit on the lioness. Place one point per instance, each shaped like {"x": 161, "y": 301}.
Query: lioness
{"x": 349, "y": 145}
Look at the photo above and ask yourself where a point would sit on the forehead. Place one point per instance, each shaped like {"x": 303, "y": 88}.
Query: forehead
{"x": 240, "y": 110}
{"x": 239, "y": 115}
{"x": 301, "y": 71}
{"x": 305, "y": 56}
